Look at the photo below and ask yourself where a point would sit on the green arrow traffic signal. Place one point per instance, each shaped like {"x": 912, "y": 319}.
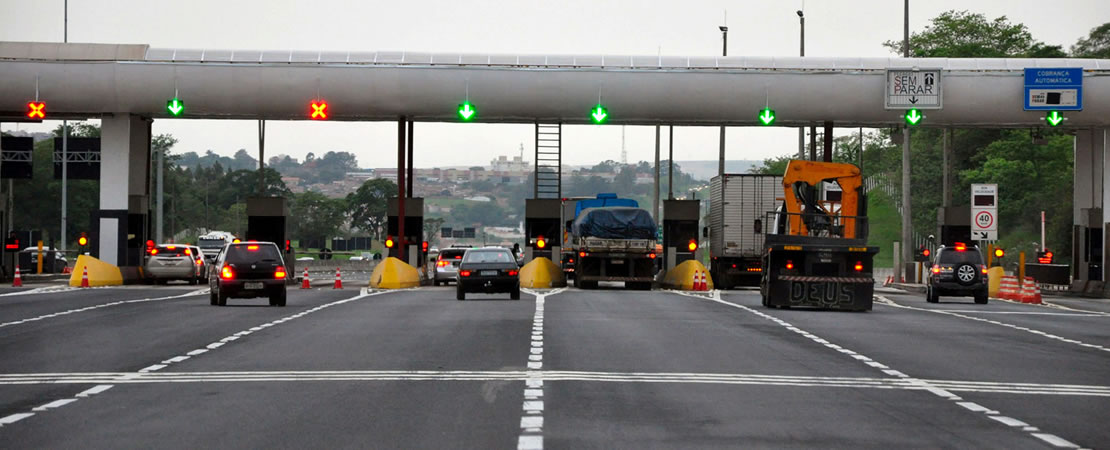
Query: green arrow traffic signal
{"x": 175, "y": 107}
{"x": 767, "y": 116}
{"x": 1054, "y": 118}
{"x": 467, "y": 111}
{"x": 599, "y": 114}
{"x": 913, "y": 116}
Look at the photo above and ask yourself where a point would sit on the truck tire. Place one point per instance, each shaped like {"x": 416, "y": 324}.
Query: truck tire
{"x": 931, "y": 295}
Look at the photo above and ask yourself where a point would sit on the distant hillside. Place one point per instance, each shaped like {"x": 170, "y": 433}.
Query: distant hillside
{"x": 704, "y": 170}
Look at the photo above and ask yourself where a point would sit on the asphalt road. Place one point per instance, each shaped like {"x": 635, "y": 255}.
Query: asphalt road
{"x": 157, "y": 367}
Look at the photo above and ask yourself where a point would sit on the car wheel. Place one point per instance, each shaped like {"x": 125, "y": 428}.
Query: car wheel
{"x": 459, "y": 294}
{"x": 194, "y": 281}
{"x": 278, "y": 300}
{"x": 221, "y": 298}
{"x": 212, "y": 300}
{"x": 515, "y": 294}
{"x": 931, "y": 295}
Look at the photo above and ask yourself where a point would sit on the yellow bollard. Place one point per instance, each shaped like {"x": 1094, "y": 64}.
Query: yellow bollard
{"x": 40, "y": 257}
{"x": 1021, "y": 268}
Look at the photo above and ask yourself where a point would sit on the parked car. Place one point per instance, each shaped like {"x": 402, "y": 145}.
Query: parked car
{"x": 202, "y": 262}
{"x": 488, "y": 270}
{"x": 249, "y": 270}
{"x": 169, "y": 262}
{"x": 957, "y": 271}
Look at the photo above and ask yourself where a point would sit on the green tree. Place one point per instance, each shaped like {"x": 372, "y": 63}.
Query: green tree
{"x": 368, "y": 205}
{"x": 1095, "y": 45}
{"x": 317, "y": 217}
{"x": 962, "y": 34}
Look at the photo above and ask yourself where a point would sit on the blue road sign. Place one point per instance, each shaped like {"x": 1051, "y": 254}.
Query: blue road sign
{"x": 1054, "y": 89}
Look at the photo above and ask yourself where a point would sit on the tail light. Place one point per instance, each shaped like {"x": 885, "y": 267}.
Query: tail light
{"x": 571, "y": 260}
{"x": 188, "y": 252}
{"x": 279, "y": 273}
{"x": 936, "y": 269}
{"x": 983, "y": 269}
{"x": 789, "y": 265}
{"x": 651, "y": 255}
{"x": 153, "y": 251}
{"x": 512, "y": 273}
{"x": 200, "y": 262}
{"x": 226, "y": 273}
{"x": 441, "y": 263}
{"x": 171, "y": 247}
{"x": 581, "y": 254}
{"x": 859, "y": 266}
{"x": 252, "y": 247}
{"x": 464, "y": 273}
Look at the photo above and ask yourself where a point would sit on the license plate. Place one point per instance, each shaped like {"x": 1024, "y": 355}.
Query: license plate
{"x": 618, "y": 261}
{"x": 256, "y": 285}
{"x": 489, "y": 273}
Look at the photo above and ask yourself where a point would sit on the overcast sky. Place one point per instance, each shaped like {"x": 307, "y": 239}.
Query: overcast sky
{"x": 756, "y": 27}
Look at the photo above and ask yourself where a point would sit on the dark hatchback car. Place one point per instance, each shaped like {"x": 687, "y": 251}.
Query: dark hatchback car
{"x": 488, "y": 270}
{"x": 957, "y": 271}
{"x": 248, "y": 270}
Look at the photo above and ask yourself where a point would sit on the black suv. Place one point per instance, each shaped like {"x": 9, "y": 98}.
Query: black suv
{"x": 957, "y": 271}
{"x": 248, "y": 270}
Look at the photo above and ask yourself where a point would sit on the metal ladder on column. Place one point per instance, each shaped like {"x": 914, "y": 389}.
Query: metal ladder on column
{"x": 549, "y": 161}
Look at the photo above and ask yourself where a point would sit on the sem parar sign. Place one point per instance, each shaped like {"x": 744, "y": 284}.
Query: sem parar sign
{"x": 913, "y": 88}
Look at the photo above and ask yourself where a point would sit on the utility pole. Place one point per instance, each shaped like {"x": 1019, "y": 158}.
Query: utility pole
{"x": 655, "y": 203}
{"x": 65, "y": 143}
{"x": 907, "y": 216}
{"x": 161, "y": 155}
{"x": 802, "y": 52}
{"x": 724, "y": 52}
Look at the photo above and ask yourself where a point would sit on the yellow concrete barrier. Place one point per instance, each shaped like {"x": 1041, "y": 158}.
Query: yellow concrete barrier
{"x": 541, "y": 273}
{"x": 682, "y": 276}
{"x": 393, "y": 273}
{"x": 994, "y": 277}
{"x": 100, "y": 272}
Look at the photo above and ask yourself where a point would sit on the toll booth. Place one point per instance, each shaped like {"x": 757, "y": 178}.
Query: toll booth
{"x": 543, "y": 230}
{"x": 680, "y": 231}
{"x": 413, "y": 239}
{"x": 268, "y": 221}
{"x": 132, "y": 231}
{"x": 1087, "y": 245}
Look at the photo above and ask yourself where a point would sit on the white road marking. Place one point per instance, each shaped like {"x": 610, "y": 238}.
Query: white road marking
{"x": 531, "y": 424}
{"x": 153, "y": 368}
{"x": 94, "y": 390}
{"x": 889, "y": 302}
{"x": 55, "y": 404}
{"x": 1024, "y": 313}
{"x": 933, "y": 388}
{"x": 102, "y": 305}
{"x": 14, "y": 418}
{"x": 1055, "y": 440}
{"x": 40, "y": 290}
{"x": 1009, "y": 421}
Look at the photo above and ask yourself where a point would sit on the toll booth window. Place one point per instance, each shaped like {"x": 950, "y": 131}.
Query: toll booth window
{"x": 956, "y": 257}
{"x": 248, "y": 253}
{"x": 984, "y": 200}
{"x": 498, "y": 256}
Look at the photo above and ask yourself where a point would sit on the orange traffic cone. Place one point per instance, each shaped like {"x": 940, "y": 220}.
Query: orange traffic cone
{"x": 305, "y": 284}
{"x": 694, "y": 284}
{"x": 18, "y": 280}
{"x": 85, "y": 277}
{"x": 338, "y": 280}
{"x": 704, "y": 281}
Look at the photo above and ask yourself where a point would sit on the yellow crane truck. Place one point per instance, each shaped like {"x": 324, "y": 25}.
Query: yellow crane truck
{"x": 815, "y": 253}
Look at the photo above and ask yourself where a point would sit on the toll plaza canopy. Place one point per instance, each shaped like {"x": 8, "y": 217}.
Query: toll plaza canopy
{"x": 88, "y": 80}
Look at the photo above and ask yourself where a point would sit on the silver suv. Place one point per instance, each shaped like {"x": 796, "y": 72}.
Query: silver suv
{"x": 957, "y": 271}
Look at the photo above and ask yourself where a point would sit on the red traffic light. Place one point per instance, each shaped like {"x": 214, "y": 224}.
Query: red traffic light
{"x": 1044, "y": 257}
{"x": 999, "y": 252}
{"x": 36, "y": 110}
{"x": 83, "y": 241}
{"x": 288, "y": 245}
{"x": 424, "y": 246}
{"x": 926, "y": 252}
{"x": 319, "y": 110}
{"x": 693, "y": 245}
{"x": 540, "y": 242}
{"x": 389, "y": 242}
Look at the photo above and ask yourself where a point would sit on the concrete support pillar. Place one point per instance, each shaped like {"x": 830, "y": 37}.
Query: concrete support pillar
{"x": 1087, "y": 200}
{"x": 124, "y": 173}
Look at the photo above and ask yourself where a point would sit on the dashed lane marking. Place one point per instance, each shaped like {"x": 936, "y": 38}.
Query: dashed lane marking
{"x": 531, "y": 423}
{"x": 128, "y": 377}
{"x": 934, "y": 388}
{"x": 40, "y": 290}
{"x": 888, "y": 302}
{"x": 103, "y": 305}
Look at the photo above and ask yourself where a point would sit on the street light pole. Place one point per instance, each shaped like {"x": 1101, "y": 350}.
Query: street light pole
{"x": 721, "y": 157}
{"x": 802, "y": 52}
{"x": 65, "y": 139}
{"x": 907, "y": 217}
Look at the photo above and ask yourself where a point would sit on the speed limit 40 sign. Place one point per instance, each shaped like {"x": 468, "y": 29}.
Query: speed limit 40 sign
{"x": 984, "y": 212}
